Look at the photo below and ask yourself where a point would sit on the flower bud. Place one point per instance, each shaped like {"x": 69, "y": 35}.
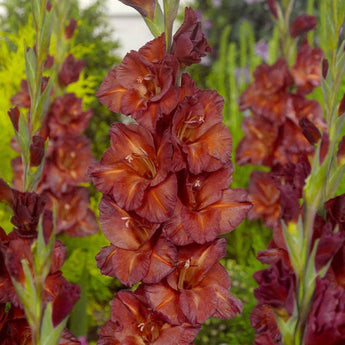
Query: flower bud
{"x": 36, "y": 151}
{"x": 301, "y": 25}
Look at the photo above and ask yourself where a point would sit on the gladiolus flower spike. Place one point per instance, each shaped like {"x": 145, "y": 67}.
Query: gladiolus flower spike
{"x": 166, "y": 197}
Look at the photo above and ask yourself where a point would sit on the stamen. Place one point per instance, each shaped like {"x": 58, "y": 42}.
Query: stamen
{"x": 141, "y": 326}
{"x": 129, "y": 158}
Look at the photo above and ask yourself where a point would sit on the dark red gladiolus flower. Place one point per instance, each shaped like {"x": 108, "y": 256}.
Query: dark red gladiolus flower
{"x": 198, "y": 132}
{"x": 143, "y": 85}
{"x": 67, "y": 164}
{"x": 263, "y": 321}
{"x": 307, "y": 69}
{"x": 197, "y": 289}
{"x": 133, "y": 322}
{"x": 73, "y": 215}
{"x": 123, "y": 229}
{"x": 22, "y": 98}
{"x": 336, "y": 210}
{"x": 135, "y": 171}
{"x": 265, "y": 197}
{"x": 70, "y": 28}
{"x": 302, "y": 24}
{"x": 70, "y": 70}
{"x": 14, "y": 115}
{"x": 189, "y": 43}
{"x": 276, "y": 284}
{"x": 267, "y": 96}
{"x": 36, "y": 151}
{"x": 66, "y": 116}
{"x": 208, "y": 208}
{"x": 149, "y": 263}
{"x": 14, "y": 328}
{"x": 258, "y": 146}
{"x": 326, "y": 321}
{"x": 145, "y": 7}
{"x": 273, "y": 8}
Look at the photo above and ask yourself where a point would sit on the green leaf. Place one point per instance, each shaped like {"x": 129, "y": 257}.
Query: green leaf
{"x": 30, "y": 70}
{"x": 23, "y": 138}
{"x": 50, "y": 335}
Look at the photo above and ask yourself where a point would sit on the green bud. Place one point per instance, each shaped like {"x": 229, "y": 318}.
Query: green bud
{"x": 30, "y": 70}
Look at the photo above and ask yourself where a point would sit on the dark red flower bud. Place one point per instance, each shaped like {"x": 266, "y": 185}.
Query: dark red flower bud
{"x": 309, "y": 130}
{"x": 341, "y": 107}
{"x": 70, "y": 70}
{"x": 49, "y": 6}
{"x": 325, "y": 66}
{"x": 341, "y": 151}
{"x": 36, "y": 151}
{"x": 27, "y": 208}
{"x": 324, "y": 146}
{"x": 145, "y": 7}
{"x": 14, "y": 114}
{"x": 6, "y": 194}
{"x": 302, "y": 24}
{"x": 70, "y": 28}
{"x": 49, "y": 62}
{"x": 273, "y": 7}
{"x": 64, "y": 302}
{"x": 189, "y": 43}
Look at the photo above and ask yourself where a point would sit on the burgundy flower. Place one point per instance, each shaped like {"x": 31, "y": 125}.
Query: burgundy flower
{"x": 326, "y": 321}
{"x": 341, "y": 106}
{"x": 143, "y": 85}
{"x": 189, "y": 42}
{"x": 276, "y": 285}
{"x": 73, "y": 215}
{"x": 197, "y": 289}
{"x": 198, "y": 132}
{"x": 70, "y": 28}
{"x": 302, "y": 24}
{"x": 267, "y": 96}
{"x": 341, "y": 151}
{"x": 145, "y": 7}
{"x": 135, "y": 171}
{"x": 307, "y": 69}
{"x": 70, "y": 70}
{"x": 36, "y": 151}
{"x": 67, "y": 164}
{"x": 265, "y": 196}
{"x": 259, "y": 144}
{"x": 262, "y": 319}
{"x": 66, "y": 117}
{"x": 208, "y": 208}
{"x": 336, "y": 210}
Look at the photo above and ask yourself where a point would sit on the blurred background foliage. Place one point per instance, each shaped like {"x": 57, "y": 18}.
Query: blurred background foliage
{"x": 242, "y": 36}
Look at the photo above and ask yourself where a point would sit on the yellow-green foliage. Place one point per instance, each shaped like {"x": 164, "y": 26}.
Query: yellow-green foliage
{"x": 12, "y": 71}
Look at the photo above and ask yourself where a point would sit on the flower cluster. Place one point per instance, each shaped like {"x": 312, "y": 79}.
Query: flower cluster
{"x": 165, "y": 195}
{"x": 68, "y": 154}
{"x": 16, "y": 248}
{"x": 282, "y": 134}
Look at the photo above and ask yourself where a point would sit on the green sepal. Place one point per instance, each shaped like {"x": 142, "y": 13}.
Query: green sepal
{"x": 287, "y": 327}
{"x": 27, "y": 293}
{"x": 23, "y": 138}
{"x": 42, "y": 106}
{"x": 36, "y": 11}
{"x": 294, "y": 238}
{"x": 50, "y": 335}
{"x": 30, "y": 70}
{"x": 156, "y": 25}
{"x": 44, "y": 37}
{"x": 170, "y": 13}
{"x": 43, "y": 252}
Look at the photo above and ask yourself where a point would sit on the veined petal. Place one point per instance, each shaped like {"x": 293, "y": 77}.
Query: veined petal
{"x": 159, "y": 201}
{"x": 163, "y": 261}
{"x": 165, "y": 301}
{"x": 127, "y": 265}
{"x": 198, "y": 304}
{"x": 123, "y": 229}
